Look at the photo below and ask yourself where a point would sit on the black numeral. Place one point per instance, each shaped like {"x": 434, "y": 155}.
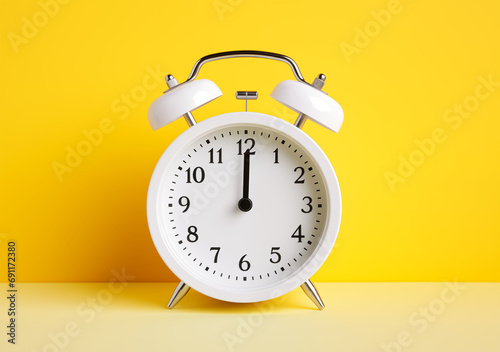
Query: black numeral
{"x": 301, "y": 170}
{"x": 244, "y": 264}
{"x": 184, "y": 202}
{"x": 250, "y": 141}
{"x": 219, "y": 153}
{"x": 198, "y": 175}
{"x": 298, "y": 234}
{"x": 276, "y": 156}
{"x": 308, "y": 205}
{"x": 217, "y": 250}
{"x": 275, "y": 250}
{"x": 192, "y": 235}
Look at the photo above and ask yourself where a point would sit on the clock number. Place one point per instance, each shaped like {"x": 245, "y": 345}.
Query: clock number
{"x": 244, "y": 264}
{"x": 298, "y": 234}
{"x": 276, "y": 156}
{"x": 275, "y": 250}
{"x": 310, "y": 207}
{"x": 186, "y": 203}
{"x": 217, "y": 249}
{"x": 251, "y": 141}
{"x": 198, "y": 175}
{"x": 219, "y": 153}
{"x": 192, "y": 235}
{"x": 301, "y": 170}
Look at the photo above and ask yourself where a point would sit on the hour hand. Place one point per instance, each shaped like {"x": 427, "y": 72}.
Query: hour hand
{"x": 245, "y": 203}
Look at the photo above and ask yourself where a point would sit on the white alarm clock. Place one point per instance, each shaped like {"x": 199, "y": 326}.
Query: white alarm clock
{"x": 244, "y": 206}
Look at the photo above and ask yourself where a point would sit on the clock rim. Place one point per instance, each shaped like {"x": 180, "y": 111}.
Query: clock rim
{"x": 315, "y": 260}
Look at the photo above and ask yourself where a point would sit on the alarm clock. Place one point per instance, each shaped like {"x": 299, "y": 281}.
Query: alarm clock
{"x": 244, "y": 206}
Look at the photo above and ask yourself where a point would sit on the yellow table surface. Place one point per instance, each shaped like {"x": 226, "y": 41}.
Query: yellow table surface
{"x": 358, "y": 317}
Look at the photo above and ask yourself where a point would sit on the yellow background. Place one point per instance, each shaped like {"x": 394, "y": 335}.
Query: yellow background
{"x": 75, "y": 70}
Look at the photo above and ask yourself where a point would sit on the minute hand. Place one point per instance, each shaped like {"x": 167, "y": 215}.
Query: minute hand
{"x": 245, "y": 204}
{"x": 246, "y": 174}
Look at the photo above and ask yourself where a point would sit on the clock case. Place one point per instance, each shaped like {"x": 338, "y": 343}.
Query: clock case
{"x": 308, "y": 100}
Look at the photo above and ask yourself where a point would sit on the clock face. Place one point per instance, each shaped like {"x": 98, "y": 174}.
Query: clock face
{"x": 244, "y": 207}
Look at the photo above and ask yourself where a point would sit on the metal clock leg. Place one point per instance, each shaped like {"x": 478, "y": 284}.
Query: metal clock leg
{"x": 313, "y": 294}
{"x": 180, "y": 291}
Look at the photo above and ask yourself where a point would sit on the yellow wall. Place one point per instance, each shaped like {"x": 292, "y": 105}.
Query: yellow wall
{"x": 70, "y": 68}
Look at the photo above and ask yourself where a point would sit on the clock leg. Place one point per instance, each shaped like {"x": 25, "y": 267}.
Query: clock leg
{"x": 313, "y": 294}
{"x": 180, "y": 291}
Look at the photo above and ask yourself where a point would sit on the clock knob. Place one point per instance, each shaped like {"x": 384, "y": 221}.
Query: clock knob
{"x": 180, "y": 100}
{"x": 310, "y": 101}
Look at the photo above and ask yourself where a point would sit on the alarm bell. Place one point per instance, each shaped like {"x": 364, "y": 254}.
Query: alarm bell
{"x": 180, "y": 100}
{"x": 307, "y": 99}
{"x": 310, "y": 101}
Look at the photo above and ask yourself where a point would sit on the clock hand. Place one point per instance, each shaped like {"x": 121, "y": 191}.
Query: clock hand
{"x": 245, "y": 204}
{"x": 246, "y": 173}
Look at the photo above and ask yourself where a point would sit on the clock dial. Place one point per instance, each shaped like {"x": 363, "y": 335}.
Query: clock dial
{"x": 243, "y": 206}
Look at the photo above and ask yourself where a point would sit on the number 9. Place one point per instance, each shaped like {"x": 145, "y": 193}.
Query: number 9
{"x": 185, "y": 203}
